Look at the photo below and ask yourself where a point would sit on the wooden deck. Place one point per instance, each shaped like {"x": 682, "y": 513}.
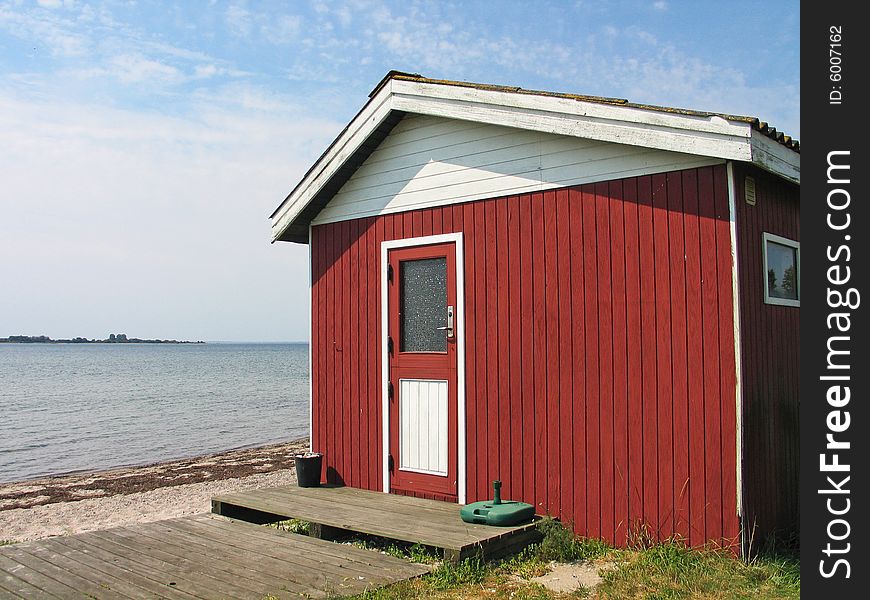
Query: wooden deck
{"x": 204, "y": 557}
{"x": 336, "y": 510}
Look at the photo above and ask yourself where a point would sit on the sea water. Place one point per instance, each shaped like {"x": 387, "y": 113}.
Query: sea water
{"x": 81, "y": 407}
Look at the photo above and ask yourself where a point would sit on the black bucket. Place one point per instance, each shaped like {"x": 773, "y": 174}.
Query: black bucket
{"x": 308, "y": 468}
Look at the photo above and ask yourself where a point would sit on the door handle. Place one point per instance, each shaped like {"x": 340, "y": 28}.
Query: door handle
{"x": 449, "y": 326}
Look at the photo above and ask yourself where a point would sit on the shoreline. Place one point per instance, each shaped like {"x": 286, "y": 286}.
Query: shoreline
{"x": 77, "y": 502}
{"x": 169, "y": 462}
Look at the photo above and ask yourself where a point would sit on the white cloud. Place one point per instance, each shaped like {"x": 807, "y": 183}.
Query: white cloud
{"x": 282, "y": 30}
{"x": 276, "y": 29}
{"x": 45, "y": 30}
{"x": 205, "y": 71}
{"x": 660, "y": 5}
{"x": 344, "y": 16}
{"x": 626, "y": 61}
{"x": 238, "y": 20}
{"x": 127, "y": 209}
{"x": 131, "y": 68}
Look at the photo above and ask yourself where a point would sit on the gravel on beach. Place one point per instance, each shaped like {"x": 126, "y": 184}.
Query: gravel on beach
{"x": 75, "y": 503}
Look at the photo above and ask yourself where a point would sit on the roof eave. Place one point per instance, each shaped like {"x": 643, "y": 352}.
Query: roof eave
{"x": 605, "y": 119}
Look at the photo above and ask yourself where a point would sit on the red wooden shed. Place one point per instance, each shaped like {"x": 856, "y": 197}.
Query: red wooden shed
{"x": 592, "y": 300}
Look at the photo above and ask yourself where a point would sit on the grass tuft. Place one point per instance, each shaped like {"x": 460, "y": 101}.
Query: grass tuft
{"x": 560, "y": 544}
{"x": 671, "y": 571}
{"x": 422, "y": 554}
{"x": 449, "y": 575}
{"x": 526, "y": 564}
{"x": 293, "y": 526}
{"x": 417, "y": 553}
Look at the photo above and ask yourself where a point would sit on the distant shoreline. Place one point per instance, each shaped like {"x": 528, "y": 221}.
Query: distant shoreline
{"x": 113, "y": 339}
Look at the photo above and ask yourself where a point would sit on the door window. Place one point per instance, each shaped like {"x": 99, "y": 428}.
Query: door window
{"x": 423, "y": 302}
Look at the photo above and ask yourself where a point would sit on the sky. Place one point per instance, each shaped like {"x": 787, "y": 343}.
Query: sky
{"x": 143, "y": 145}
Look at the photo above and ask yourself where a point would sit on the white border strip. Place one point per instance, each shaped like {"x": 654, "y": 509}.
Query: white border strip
{"x": 735, "y": 285}
{"x": 778, "y": 239}
{"x": 386, "y": 246}
{"x": 402, "y": 432}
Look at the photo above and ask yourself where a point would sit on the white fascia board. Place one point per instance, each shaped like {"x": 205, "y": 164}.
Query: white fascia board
{"x": 708, "y": 136}
{"x": 772, "y": 156}
{"x": 356, "y": 133}
{"x": 648, "y": 136}
{"x": 569, "y": 107}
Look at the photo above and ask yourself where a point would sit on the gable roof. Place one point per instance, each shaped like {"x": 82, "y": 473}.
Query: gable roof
{"x": 728, "y": 137}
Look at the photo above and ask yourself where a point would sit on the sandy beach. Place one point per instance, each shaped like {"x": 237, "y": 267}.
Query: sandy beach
{"x": 68, "y": 504}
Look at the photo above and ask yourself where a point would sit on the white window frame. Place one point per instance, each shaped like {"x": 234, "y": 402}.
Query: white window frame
{"x": 776, "y": 239}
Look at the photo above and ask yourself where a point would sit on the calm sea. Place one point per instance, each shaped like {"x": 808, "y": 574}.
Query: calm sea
{"x": 71, "y": 407}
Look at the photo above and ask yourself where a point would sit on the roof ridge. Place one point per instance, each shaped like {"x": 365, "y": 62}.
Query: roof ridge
{"x": 756, "y": 123}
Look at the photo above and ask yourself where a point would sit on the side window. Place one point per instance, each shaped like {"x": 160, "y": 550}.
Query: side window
{"x": 782, "y": 266}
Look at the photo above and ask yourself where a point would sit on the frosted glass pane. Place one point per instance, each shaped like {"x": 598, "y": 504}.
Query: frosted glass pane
{"x": 424, "y": 305}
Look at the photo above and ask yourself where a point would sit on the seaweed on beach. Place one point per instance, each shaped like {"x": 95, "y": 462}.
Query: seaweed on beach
{"x": 213, "y": 467}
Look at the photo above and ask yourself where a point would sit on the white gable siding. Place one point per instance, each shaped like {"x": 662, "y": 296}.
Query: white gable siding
{"x": 431, "y": 161}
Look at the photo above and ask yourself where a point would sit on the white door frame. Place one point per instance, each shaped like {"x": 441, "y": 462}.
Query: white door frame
{"x": 386, "y": 246}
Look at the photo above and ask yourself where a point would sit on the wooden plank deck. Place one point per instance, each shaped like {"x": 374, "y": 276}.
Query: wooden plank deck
{"x": 335, "y": 510}
{"x": 205, "y": 557}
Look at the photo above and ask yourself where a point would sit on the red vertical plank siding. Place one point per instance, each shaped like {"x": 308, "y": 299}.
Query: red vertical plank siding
{"x": 634, "y": 393}
{"x": 365, "y": 354}
{"x": 578, "y": 326}
{"x": 620, "y": 373}
{"x": 551, "y": 290}
{"x": 592, "y": 418}
{"x": 679, "y": 371}
{"x": 770, "y": 363}
{"x": 540, "y": 354}
{"x": 408, "y": 221}
{"x": 320, "y": 400}
{"x": 514, "y": 485}
{"x": 527, "y": 348}
{"x": 565, "y": 373}
{"x": 481, "y": 354}
{"x": 472, "y": 384}
{"x": 492, "y": 353}
{"x": 334, "y": 419}
{"x": 605, "y": 361}
{"x": 427, "y": 222}
{"x": 649, "y": 408}
{"x": 501, "y": 349}
{"x": 599, "y": 338}
{"x": 694, "y": 360}
{"x": 348, "y": 302}
{"x": 373, "y": 401}
{"x": 317, "y": 322}
{"x": 664, "y": 357}
{"x": 712, "y": 350}
{"x": 417, "y": 223}
{"x": 354, "y": 477}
